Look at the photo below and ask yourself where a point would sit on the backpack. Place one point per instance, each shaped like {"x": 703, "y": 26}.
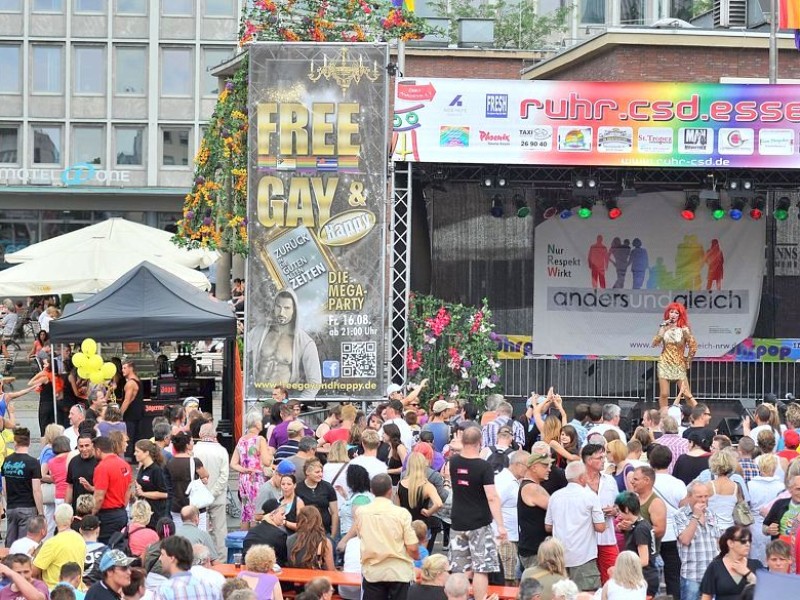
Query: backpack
{"x": 120, "y": 540}
{"x": 498, "y": 459}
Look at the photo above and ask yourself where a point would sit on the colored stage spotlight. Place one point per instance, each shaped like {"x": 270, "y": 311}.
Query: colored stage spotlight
{"x": 715, "y": 206}
{"x": 782, "y": 208}
{"x": 521, "y": 206}
{"x": 566, "y": 213}
{"x": 585, "y": 211}
{"x": 614, "y": 211}
{"x": 689, "y": 207}
{"x": 497, "y": 207}
{"x": 757, "y": 208}
{"x": 737, "y": 208}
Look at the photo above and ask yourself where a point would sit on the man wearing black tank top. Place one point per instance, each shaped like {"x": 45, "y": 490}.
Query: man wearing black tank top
{"x": 475, "y": 505}
{"x": 132, "y": 407}
{"x": 532, "y": 507}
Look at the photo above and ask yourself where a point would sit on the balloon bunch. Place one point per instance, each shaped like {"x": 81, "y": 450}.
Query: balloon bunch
{"x": 90, "y": 364}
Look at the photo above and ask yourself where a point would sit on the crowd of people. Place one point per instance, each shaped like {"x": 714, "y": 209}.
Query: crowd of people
{"x": 421, "y": 504}
{"x": 670, "y": 506}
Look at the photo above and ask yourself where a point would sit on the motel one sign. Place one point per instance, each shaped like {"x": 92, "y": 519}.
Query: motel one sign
{"x": 76, "y": 174}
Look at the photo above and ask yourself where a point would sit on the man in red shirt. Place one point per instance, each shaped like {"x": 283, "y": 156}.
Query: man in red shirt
{"x": 348, "y": 415}
{"x": 112, "y": 489}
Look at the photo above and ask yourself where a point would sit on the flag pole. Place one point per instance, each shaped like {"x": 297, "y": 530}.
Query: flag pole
{"x": 773, "y": 41}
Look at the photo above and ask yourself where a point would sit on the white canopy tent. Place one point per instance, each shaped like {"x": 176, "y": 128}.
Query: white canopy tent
{"x": 119, "y": 234}
{"x": 88, "y": 267}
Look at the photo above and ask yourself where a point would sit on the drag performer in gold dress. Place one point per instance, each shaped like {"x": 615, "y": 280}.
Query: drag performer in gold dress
{"x": 675, "y": 337}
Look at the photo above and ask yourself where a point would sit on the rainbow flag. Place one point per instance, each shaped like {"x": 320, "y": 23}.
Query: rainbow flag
{"x": 789, "y": 18}
{"x": 789, "y": 14}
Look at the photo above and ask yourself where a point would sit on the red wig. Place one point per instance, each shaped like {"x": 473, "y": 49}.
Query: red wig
{"x": 683, "y": 318}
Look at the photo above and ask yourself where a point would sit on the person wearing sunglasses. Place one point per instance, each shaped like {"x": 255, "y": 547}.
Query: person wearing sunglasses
{"x": 116, "y": 574}
{"x": 731, "y": 571}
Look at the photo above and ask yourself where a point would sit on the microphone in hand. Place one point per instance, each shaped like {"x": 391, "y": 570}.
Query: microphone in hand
{"x": 665, "y": 323}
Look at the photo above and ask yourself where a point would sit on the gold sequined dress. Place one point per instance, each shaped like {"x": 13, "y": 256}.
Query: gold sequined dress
{"x": 673, "y": 360}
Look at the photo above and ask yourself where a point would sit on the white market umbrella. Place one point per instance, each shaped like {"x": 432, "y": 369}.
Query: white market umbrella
{"x": 86, "y": 268}
{"x": 119, "y": 234}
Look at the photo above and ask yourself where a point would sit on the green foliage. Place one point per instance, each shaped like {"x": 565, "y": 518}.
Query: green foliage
{"x": 453, "y": 347}
{"x": 516, "y": 24}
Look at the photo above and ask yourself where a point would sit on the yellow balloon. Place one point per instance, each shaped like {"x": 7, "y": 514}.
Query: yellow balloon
{"x": 96, "y": 377}
{"x": 95, "y": 362}
{"x": 109, "y": 370}
{"x": 89, "y": 347}
{"x": 79, "y": 359}
{"x": 84, "y": 372}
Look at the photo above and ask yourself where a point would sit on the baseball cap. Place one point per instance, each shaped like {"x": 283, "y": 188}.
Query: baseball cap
{"x": 505, "y": 431}
{"x": 89, "y": 523}
{"x": 295, "y": 426}
{"x": 286, "y": 467}
{"x": 442, "y": 405}
{"x": 393, "y": 387}
{"x": 270, "y": 505}
{"x": 539, "y": 459}
{"x": 114, "y": 558}
{"x": 791, "y": 438}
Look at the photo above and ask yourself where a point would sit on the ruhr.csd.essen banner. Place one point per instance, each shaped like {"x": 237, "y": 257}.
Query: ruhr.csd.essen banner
{"x": 601, "y": 286}
{"x": 594, "y": 123}
{"x": 317, "y": 196}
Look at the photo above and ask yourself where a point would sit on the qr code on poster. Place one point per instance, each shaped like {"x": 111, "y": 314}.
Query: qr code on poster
{"x": 359, "y": 359}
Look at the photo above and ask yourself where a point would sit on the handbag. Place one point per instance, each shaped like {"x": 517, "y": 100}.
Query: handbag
{"x": 742, "y": 515}
{"x": 196, "y": 491}
{"x": 48, "y": 493}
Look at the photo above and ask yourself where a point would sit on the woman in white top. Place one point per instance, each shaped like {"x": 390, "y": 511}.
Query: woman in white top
{"x": 763, "y": 490}
{"x": 725, "y": 492}
{"x": 627, "y": 582}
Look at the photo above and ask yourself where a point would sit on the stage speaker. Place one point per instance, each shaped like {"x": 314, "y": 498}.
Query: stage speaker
{"x": 630, "y": 416}
{"x": 732, "y": 427}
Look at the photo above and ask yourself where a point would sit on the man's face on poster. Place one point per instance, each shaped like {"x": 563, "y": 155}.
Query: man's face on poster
{"x": 284, "y": 310}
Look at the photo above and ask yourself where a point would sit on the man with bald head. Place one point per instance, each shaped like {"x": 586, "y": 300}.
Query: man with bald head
{"x": 191, "y": 531}
{"x": 201, "y": 567}
{"x": 475, "y": 505}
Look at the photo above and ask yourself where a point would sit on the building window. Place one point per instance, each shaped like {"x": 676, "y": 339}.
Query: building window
{"x": 176, "y": 8}
{"x": 90, "y": 6}
{"x": 47, "y": 144}
{"x": 51, "y": 6}
{"x": 129, "y": 144}
{"x": 211, "y": 58}
{"x": 9, "y": 145}
{"x": 47, "y": 69}
{"x": 175, "y": 146}
{"x": 219, "y": 8}
{"x": 132, "y": 7}
{"x": 176, "y": 72}
{"x": 130, "y": 70}
{"x": 90, "y": 70}
{"x": 10, "y": 5}
{"x": 593, "y": 11}
{"x": 632, "y": 12}
{"x": 88, "y": 145}
{"x": 9, "y": 67}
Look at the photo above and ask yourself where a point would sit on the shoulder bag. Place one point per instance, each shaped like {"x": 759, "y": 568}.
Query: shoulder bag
{"x": 197, "y": 492}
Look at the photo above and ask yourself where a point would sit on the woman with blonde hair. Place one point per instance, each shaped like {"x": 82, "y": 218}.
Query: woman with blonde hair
{"x": 418, "y": 495}
{"x": 627, "y": 581}
{"x": 724, "y": 491}
{"x": 550, "y": 568}
{"x": 434, "y": 572}
{"x": 334, "y": 471}
{"x": 619, "y": 466}
{"x": 51, "y": 432}
{"x": 140, "y": 536}
{"x": 257, "y": 573}
{"x": 764, "y": 488}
